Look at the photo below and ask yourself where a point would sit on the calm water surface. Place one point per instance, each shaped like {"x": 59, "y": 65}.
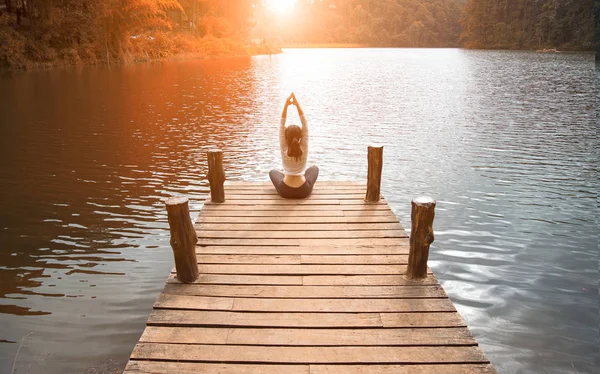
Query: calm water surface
{"x": 505, "y": 141}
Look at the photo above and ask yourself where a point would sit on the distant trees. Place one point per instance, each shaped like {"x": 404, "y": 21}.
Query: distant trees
{"x": 386, "y": 23}
{"x": 528, "y": 24}
{"x": 597, "y": 17}
{"x": 75, "y": 31}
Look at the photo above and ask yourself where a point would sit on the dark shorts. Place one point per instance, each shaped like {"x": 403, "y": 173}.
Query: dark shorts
{"x": 310, "y": 175}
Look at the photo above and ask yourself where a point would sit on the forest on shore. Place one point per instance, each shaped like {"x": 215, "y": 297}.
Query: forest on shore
{"x": 40, "y": 33}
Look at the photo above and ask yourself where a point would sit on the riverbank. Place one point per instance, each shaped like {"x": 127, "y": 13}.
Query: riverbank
{"x": 19, "y": 52}
{"x": 325, "y": 45}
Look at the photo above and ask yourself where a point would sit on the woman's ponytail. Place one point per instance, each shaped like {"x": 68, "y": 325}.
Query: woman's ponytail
{"x": 293, "y": 138}
{"x": 294, "y": 149}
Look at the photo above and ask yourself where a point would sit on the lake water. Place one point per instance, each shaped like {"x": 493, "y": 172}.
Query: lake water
{"x": 505, "y": 141}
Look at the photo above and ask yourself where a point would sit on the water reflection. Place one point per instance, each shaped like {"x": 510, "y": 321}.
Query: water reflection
{"x": 504, "y": 141}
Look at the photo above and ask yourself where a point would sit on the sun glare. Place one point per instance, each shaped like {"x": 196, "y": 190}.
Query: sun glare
{"x": 281, "y": 6}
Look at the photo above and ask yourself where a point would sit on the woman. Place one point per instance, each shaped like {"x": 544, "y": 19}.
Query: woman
{"x": 294, "y": 182}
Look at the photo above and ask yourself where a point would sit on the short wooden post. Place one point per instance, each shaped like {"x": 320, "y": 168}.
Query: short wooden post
{"x": 375, "y": 157}
{"x": 183, "y": 239}
{"x": 216, "y": 175}
{"x": 421, "y": 236}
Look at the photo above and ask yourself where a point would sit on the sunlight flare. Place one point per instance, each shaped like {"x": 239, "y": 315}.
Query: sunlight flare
{"x": 281, "y": 6}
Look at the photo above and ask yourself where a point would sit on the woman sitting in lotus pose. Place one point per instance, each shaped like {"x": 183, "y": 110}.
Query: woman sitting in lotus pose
{"x": 294, "y": 182}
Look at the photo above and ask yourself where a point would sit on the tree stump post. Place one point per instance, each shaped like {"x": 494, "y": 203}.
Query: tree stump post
{"x": 183, "y": 239}
{"x": 421, "y": 236}
{"x": 216, "y": 175}
{"x": 375, "y": 158}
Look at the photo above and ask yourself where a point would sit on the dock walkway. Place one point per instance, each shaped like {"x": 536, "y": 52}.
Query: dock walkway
{"x": 304, "y": 286}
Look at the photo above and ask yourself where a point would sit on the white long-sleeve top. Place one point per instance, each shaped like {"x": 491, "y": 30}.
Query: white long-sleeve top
{"x": 290, "y": 165}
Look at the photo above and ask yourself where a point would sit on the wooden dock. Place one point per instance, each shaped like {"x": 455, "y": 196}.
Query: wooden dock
{"x": 304, "y": 286}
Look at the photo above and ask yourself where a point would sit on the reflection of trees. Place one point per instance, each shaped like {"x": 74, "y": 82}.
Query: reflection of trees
{"x": 95, "y": 152}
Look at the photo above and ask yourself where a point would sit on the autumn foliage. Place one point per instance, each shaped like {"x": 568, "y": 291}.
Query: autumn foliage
{"x": 72, "y": 32}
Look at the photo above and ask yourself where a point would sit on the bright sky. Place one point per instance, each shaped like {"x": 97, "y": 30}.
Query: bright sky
{"x": 281, "y": 6}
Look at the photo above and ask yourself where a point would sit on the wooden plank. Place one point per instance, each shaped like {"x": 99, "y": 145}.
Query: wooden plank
{"x": 256, "y": 202}
{"x": 296, "y": 226}
{"x": 303, "y": 250}
{"x": 389, "y": 218}
{"x": 271, "y": 354}
{"x": 334, "y": 234}
{"x": 264, "y": 202}
{"x": 450, "y": 319}
{"x": 294, "y": 214}
{"x": 302, "y": 242}
{"x": 168, "y": 367}
{"x": 272, "y": 194}
{"x": 367, "y": 280}
{"x": 311, "y": 280}
{"x": 223, "y": 318}
{"x": 249, "y": 259}
{"x": 290, "y": 280}
{"x": 290, "y": 209}
{"x": 357, "y": 259}
{"x": 168, "y": 301}
{"x": 320, "y": 184}
{"x": 309, "y": 337}
{"x": 301, "y": 259}
{"x": 404, "y": 369}
{"x": 303, "y": 269}
{"x": 275, "y": 213}
{"x": 306, "y": 292}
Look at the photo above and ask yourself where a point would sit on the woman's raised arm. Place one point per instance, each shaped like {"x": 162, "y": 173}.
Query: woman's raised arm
{"x": 288, "y": 102}
{"x": 297, "y": 104}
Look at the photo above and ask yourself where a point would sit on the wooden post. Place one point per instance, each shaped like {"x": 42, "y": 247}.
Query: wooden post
{"x": 375, "y": 157}
{"x": 183, "y": 239}
{"x": 421, "y": 236}
{"x": 216, "y": 175}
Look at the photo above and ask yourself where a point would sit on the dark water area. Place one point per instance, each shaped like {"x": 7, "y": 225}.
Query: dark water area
{"x": 506, "y": 142}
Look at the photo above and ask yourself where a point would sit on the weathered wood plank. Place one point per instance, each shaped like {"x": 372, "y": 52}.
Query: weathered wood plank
{"x": 291, "y": 280}
{"x": 249, "y": 259}
{"x": 291, "y": 208}
{"x": 174, "y": 317}
{"x": 303, "y": 269}
{"x": 272, "y": 194}
{"x": 311, "y": 280}
{"x": 309, "y": 337}
{"x": 296, "y": 226}
{"x": 319, "y": 184}
{"x": 301, "y": 259}
{"x": 303, "y": 250}
{"x": 169, "y": 367}
{"x": 255, "y": 202}
{"x": 168, "y": 301}
{"x": 367, "y": 280}
{"x": 339, "y": 234}
{"x": 224, "y": 318}
{"x": 302, "y": 242}
{"x": 356, "y": 259}
{"x": 306, "y": 292}
{"x": 390, "y": 218}
{"x": 276, "y": 213}
{"x": 271, "y": 354}
{"x": 391, "y": 320}
{"x": 404, "y": 369}
{"x": 294, "y": 214}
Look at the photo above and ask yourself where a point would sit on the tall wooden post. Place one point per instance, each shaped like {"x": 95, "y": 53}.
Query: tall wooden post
{"x": 216, "y": 176}
{"x": 375, "y": 157}
{"x": 421, "y": 236}
{"x": 183, "y": 239}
